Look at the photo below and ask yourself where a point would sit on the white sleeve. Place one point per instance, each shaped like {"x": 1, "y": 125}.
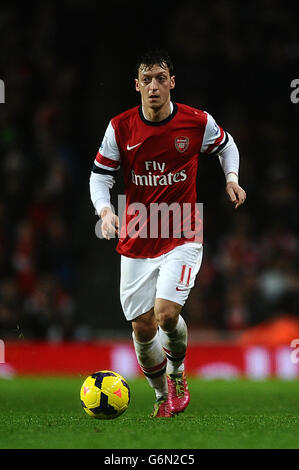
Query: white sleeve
{"x": 108, "y": 156}
{"x": 100, "y": 186}
{"x": 104, "y": 169}
{"x": 219, "y": 142}
{"x": 229, "y": 159}
{"x": 214, "y": 137}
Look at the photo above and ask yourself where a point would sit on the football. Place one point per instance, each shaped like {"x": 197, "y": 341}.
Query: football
{"x": 105, "y": 395}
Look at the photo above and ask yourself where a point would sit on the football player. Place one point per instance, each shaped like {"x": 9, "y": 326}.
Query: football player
{"x": 157, "y": 144}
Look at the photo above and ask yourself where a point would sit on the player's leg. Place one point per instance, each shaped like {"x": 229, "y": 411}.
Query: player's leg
{"x": 172, "y": 333}
{"x": 149, "y": 353}
{"x": 173, "y": 338}
{"x": 176, "y": 278}
{"x": 152, "y": 360}
{"x": 137, "y": 293}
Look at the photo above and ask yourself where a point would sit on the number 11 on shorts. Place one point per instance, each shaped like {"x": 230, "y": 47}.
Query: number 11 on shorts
{"x": 185, "y": 275}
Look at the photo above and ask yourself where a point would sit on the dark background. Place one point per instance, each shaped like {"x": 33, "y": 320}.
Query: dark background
{"x": 68, "y": 68}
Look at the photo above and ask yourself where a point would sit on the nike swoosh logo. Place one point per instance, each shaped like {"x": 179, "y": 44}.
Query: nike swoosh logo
{"x": 133, "y": 146}
{"x": 177, "y": 288}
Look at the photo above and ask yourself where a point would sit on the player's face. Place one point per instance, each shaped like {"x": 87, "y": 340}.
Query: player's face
{"x": 154, "y": 85}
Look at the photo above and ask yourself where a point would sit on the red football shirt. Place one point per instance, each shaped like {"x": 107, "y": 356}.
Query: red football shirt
{"x": 159, "y": 162}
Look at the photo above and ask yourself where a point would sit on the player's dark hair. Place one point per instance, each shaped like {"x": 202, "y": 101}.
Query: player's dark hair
{"x": 155, "y": 57}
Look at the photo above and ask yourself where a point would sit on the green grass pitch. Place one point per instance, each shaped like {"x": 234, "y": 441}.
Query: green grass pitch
{"x": 45, "y": 413}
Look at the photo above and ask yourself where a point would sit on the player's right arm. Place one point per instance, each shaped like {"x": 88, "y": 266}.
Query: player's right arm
{"x": 102, "y": 179}
{"x": 110, "y": 223}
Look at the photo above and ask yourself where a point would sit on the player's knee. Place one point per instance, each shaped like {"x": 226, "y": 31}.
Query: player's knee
{"x": 167, "y": 314}
{"x": 144, "y": 333}
{"x": 167, "y": 319}
{"x": 145, "y": 327}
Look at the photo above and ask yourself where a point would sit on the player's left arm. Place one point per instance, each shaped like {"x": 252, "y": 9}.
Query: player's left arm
{"x": 229, "y": 160}
{"x": 219, "y": 142}
{"x": 236, "y": 194}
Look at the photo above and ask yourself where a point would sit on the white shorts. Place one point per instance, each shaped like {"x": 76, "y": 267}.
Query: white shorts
{"x": 170, "y": 276}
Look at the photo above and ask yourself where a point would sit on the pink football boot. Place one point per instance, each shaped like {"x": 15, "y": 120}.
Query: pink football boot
{"x": 161, "y": 409}
{"x": 178, "y": 393}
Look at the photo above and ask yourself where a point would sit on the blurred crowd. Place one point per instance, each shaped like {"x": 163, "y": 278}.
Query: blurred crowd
{"x": 39, "y": 167}
{"x": 249, "y": 272}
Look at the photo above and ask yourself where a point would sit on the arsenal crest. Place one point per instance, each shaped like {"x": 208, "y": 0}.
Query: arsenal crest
{"x": 181, "y": 144}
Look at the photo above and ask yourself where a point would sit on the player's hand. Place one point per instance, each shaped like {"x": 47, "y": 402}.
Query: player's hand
{"x": 236, "y": 194}
{"x": 110, "y": 223}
